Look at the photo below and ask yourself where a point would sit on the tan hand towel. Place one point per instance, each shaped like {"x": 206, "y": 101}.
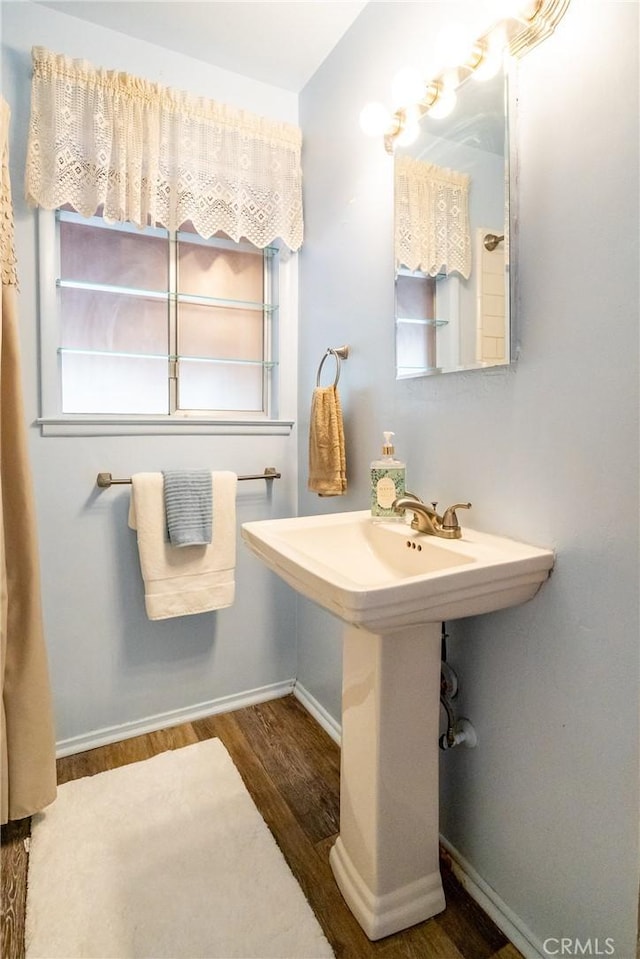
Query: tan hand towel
{"x": 327, "y": 459}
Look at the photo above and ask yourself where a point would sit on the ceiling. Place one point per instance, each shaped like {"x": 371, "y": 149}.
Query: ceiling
{"x": 281, "y": 43}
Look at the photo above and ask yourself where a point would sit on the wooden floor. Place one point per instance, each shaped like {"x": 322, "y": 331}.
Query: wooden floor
{"x": 291, "y": 768}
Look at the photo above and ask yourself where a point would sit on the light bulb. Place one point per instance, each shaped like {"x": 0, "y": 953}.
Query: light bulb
{"x": 492, "y": 58}
{"x": 444, "y": 105}
{"x": 408, "y": 135}
{"x": 454, "y": 45}
{"x": 407, "y": 87}
{"x": 515, "y": 9}
{"x": 375, "y": 120}
{"x": 410, "y": 128}
{"x": 487, "y": 69}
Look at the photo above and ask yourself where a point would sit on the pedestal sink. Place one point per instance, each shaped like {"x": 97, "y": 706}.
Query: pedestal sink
{"x": 392, "y": 587}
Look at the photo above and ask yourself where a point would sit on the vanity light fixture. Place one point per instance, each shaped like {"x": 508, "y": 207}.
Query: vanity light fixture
{"x": 527, "y": 24}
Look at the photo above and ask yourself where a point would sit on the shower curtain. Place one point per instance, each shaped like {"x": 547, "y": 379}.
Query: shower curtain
{"x": 28, "y": 772}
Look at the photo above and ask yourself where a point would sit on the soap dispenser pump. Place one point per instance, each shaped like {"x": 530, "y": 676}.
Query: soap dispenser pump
{"x": 387, "y": 482}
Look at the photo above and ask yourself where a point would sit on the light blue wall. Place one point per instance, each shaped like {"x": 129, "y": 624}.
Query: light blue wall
{"x": 111, "y": 667}
{"x": 546, "y": 808}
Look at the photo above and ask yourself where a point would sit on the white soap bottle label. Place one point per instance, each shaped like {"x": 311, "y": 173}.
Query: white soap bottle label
{"x": 387, "y": 485}
{"x": 385, "y": 492}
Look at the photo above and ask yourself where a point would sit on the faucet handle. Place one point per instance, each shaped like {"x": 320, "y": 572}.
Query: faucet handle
{"x": 450, "y": 520}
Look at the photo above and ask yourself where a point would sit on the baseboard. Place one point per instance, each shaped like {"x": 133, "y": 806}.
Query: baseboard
{"x": 225, "y": 704}
{"x": 488, "y": 899}
{"x": 319, "y": 713}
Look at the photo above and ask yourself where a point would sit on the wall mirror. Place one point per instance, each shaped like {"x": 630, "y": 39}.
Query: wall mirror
{"x": 451, "y": 244}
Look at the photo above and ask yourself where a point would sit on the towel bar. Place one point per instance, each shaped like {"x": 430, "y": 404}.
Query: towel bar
{"x": 105, "y": 480}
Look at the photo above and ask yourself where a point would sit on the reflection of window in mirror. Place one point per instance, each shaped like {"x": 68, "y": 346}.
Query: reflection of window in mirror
{"x": 418, "y": 322}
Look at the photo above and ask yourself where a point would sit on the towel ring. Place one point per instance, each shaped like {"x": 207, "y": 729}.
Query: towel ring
{"x": 338, "y": 352}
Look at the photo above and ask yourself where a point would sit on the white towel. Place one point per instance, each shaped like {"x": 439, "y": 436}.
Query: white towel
{"x": 180, "y": 582}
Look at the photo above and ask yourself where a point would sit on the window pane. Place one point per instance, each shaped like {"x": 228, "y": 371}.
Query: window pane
{"x": 94, "y": 254}
{"x": 415, "y": 297}
{"x": 94, "y": 383}
{"x": 224, "y": 274}
{"x": 412, "y": 353}
{"x": 415, "y": 342}
{"x": 219, "y": 332}
{"x": 113, "y": 321}
{"x": 219, "y": 386}
{"x": 99, "y": 324}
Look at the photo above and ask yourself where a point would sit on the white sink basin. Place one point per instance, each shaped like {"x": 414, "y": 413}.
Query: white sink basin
{"x": 384, "y": 576}
{"x": 392, "y": 587}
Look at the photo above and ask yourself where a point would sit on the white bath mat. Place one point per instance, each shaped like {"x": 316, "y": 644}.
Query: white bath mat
{"x": 163, "y": 858}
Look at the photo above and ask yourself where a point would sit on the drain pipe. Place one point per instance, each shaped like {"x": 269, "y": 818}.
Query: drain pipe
{"x": 459, "y": 732}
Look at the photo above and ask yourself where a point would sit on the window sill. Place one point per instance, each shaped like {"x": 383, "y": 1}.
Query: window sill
{"x": 159, "y": 425}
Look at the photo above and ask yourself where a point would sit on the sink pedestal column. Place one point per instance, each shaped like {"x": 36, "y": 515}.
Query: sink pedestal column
{"x": 385, "y": 859}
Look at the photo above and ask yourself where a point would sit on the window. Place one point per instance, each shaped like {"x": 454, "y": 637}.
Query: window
{"x": 157, "y": 324}
{"x": 416, "y": 323}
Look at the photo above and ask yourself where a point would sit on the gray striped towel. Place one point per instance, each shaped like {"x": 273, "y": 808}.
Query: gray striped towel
{"x": 188, "y": 506}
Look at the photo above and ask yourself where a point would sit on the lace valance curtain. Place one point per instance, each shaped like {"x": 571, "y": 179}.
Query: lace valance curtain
{"x": 431, "y": 218}
{"x": 8, "y": 267}
{"x": 156, "y": 156}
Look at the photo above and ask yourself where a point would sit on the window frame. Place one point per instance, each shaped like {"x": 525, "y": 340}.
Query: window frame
{"x": 280, "y": 390}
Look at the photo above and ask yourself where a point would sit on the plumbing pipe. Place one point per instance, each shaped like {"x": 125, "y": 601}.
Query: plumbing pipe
{"x": 459, "y": 732}
{"x": 451, "y": 722}
{"x": 463, "y": 734}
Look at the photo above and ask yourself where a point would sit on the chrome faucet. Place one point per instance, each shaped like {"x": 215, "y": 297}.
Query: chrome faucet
{"x": 427, "y": 520}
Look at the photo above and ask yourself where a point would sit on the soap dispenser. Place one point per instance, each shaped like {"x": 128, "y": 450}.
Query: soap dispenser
{"x": 387, "y": 482}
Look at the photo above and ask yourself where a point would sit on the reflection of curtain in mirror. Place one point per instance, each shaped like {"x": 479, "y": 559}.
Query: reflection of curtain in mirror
{"x": 28, "y": 751}
{"x": 431, "y": 218}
